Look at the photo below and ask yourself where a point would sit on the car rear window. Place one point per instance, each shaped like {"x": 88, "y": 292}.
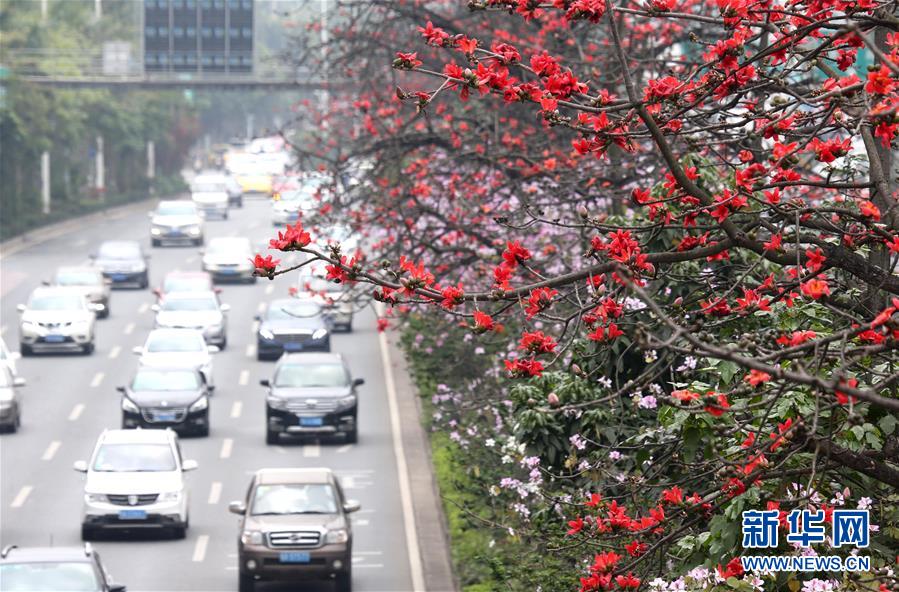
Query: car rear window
{"x": 49, "y": 576}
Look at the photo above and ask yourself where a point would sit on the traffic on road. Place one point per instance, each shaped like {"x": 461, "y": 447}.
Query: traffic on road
{"x": 225, "y": 433}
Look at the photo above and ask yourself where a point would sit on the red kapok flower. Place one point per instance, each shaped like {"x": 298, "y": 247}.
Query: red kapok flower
{"x": 264, "y": 266}
{"x": 757, "y": 377}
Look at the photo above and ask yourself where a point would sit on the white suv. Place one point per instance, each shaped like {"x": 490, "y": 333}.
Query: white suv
{"x": 135, "y": 479}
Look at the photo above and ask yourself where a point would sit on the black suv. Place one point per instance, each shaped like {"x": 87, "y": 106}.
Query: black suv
{"x": 311, "y": 394}
{"x": 176, "y": 398}
{"x": 54, "y": 568}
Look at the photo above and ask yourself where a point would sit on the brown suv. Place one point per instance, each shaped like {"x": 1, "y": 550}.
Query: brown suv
{"x": 294, "y": 527}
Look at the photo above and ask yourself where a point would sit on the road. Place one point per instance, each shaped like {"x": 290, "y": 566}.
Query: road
{"x": 70, "y": 399}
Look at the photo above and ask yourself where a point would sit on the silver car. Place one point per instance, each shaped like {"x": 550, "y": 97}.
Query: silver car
{"x": 211, "y": 196}
{"x": 178, "y": 348}
{"x": 229, "y": 259}
{"x": 91, "y": 281}
{"x": 176, "y": 221}
{"x": 57, "y": 320}
{"x": 195, "y": 310}
{"x": 10, "y": 402}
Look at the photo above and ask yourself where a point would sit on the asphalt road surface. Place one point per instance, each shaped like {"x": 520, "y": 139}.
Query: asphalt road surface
{"x": 70, "y": 399}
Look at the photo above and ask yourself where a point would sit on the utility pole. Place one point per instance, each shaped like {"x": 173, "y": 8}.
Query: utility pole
{"x": 101, "y": 168}
{"x": 249, "y": 126}
{"x": 151, "y": 165}
{"x": 45, "y": 182}
{"x": 98, "y": 9}
{"x": 44, "y": 11}
{"x": 325, "y": 96}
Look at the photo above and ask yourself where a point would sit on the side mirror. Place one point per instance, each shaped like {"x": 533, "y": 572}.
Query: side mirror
{"x": 96, "y": 307}
{"x": 19, "y": 381}
{"x": 237, "y": 508}
{"x": 117, "y": 588}
{"x": 265, "y": 382}
{"x": 255, "y": 317}
{"x": 189, "y": 465}
{"x": 155, "y": 308}
{"x": 217, "y": 290}
{"x": 137, "y": 350}
{"x": 20, "y": 308}
{"x": 121, "y": 389}
{"x": 225, "y": 307}
{"x": 80, "y": 466}
{"x": 358, "y": 382}
{"x": 45, "y": 282}
{"x": 351, "y": 506}
{"x": 213, "y": 349}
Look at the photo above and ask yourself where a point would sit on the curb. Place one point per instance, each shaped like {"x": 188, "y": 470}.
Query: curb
{"x": 433, "y": 539}
{"x": 41, "y": 234}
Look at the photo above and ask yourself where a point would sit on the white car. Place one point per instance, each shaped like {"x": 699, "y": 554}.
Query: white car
{"x": 229, "y": 259}
{"x": 57, "y": 319}
{"x": 135, "y": 479}
{"x": 210, "y": 196}
{"x": 6, "y": 357}
{"x": 195, "y": 310}
{"x": 226, "y": 182}
{"x": 176, "y": 221}
{"x": 178, "y": 348}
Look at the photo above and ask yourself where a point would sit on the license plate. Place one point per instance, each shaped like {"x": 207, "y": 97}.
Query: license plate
{"x": 165, "y": 417}
{"x": 293, "y": 346}
{"x": 54, "y": 338}
{"x": 228, "y": 271}
{"x": 132, "y": 514}
{"x": 312, "y": 422}
{"x": 295, "y": 557}
{"x": 176, "y": 233}
{"x": 118, "y": 277}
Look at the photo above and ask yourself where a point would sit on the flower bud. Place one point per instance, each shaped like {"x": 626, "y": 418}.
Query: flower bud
{"x": 552, "y": 399}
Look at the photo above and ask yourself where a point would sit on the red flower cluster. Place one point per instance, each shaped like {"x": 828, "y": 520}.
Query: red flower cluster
{"x": 293, "y": 238}
{"x": 264, "y": 266}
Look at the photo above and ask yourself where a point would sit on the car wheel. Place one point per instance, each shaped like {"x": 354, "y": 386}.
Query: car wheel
{"x": 25, "y": 350}
{"x": 145, "y": 281}
{"x": 88, "y": 349}
{"x": 105, "y": 313}
{"x": 223, "y": 344}
{"x": 155, "y": 242}
{"x": 179, "y": 532}
{"x": 204, "y": 431}
{"x": 87, "y": 533}
{"x": 246, "y": 583}
{"x": 344, "y": 582}
{"x": 271, "y": 437}
{"x": 352, "y": 437}
{"x": 198, "y": 242}
{"x": 225, "y": 216}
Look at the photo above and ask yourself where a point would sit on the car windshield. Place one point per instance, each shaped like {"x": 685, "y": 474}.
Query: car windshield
{"x": 155, "y": 380}
{"x": 228, "y": 247}
{"x": 56, "y": 302}
{"x": 49, "y": 576}
{"x": 311, "y": 375}
{"x": 78, "y": 278}
{"x": 130, "y": 458}
{"x": 313, "y": 498}
{"x": 174, "y": 342}
{"x": 176, "y": 209}
{"x": 190, "y": 304}
{"x": 186, "y": 284}
{"x": 119, "y": 251}
{"x": 279, "y": 311}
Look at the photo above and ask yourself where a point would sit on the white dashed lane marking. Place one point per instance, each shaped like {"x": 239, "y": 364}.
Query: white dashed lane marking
{"x": 269, "y": 290}
{"x": 236, "y": 409}
{"x": 143, "y": 308}
{"x": 114, "y": 352}
{"x": 260, "y": 308}
{"x": 129, "y": 328}
{"x": 227, "y": 446}
{"x": 77, "y": 410}
{"x": 50, "y": 452}
{"x": 244, "y": 378}
{"x": 98, "y": 379}
{"x": 200, "y": 548}
{"x": 312, "y": 451}
{"x": 215, "y": 492}
{"x": 251, "y": 350}
{"x": 20, "y": 498}
{"x": 344, "y": 448}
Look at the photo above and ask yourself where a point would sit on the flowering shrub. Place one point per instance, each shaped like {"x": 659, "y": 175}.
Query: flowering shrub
{"x": 675, "y": 223}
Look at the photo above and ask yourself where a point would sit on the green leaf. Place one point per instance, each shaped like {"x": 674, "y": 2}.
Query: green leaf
{"x": 887, "y": 424}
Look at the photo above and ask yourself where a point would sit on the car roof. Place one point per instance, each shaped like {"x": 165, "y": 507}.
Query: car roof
{"x": 293, "y": 475}
{"x": 137, "y": 436}
{"x": 41, "y": 554}
{"x": 311, "y": 358}
{"x": 78, "y": 269}
{"x": 191, "y": 295}
{"x": 164, "y": 369}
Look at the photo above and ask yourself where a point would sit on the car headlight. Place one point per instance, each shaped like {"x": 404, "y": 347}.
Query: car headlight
{"x": 138, "y": 267}
{"x": 28, "y": 326}
{"x": 320, "y": 334}
{"x": 337, "y": 536}
{"x": 94, "y": 498}
{"x": 276, "y": 402}
{"x": 199, "y": 405}
{"x": 129, "y": 406}
{"x": 346, "y": 402}
{"x": 79, "y": 327}
{"x": 193, "y": 230}
{"x": 266, "y": 334}
{"x": 251, "y": 537}
{"x": 155, "y": 231}
{"x": 170, "y": 496}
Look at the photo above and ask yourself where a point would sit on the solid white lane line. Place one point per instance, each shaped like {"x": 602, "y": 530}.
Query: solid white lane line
{"x": 279, "y": 450}
{"x": 143, "y": 308}
{"x": 269, "y": 290}
{"x": 236, "y": 409}
{"x": 402, "y": 468}
{"x": 251, "y": 350}
{"x": 20, "y": 498}
{"x": 114, "y": 352}
{"x": 98, "y": 379}
{"x": 129, "y": 328}
{"x": 260, "y": 308}
{"x": 344, "y": 448}
{"x": 312, "y": 451}
{"x": 215, "y": 492}
{"x": 76, "y": 412}
{"x": 361, "y": 522}
{"x": 227, "y": 445}
{"x": 50, "y": 452}
{"x": 244, "y": 379}
{"x": 200, "y": 548}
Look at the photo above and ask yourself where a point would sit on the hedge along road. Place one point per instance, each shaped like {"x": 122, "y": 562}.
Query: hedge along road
{"x": 69, "y": 400}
